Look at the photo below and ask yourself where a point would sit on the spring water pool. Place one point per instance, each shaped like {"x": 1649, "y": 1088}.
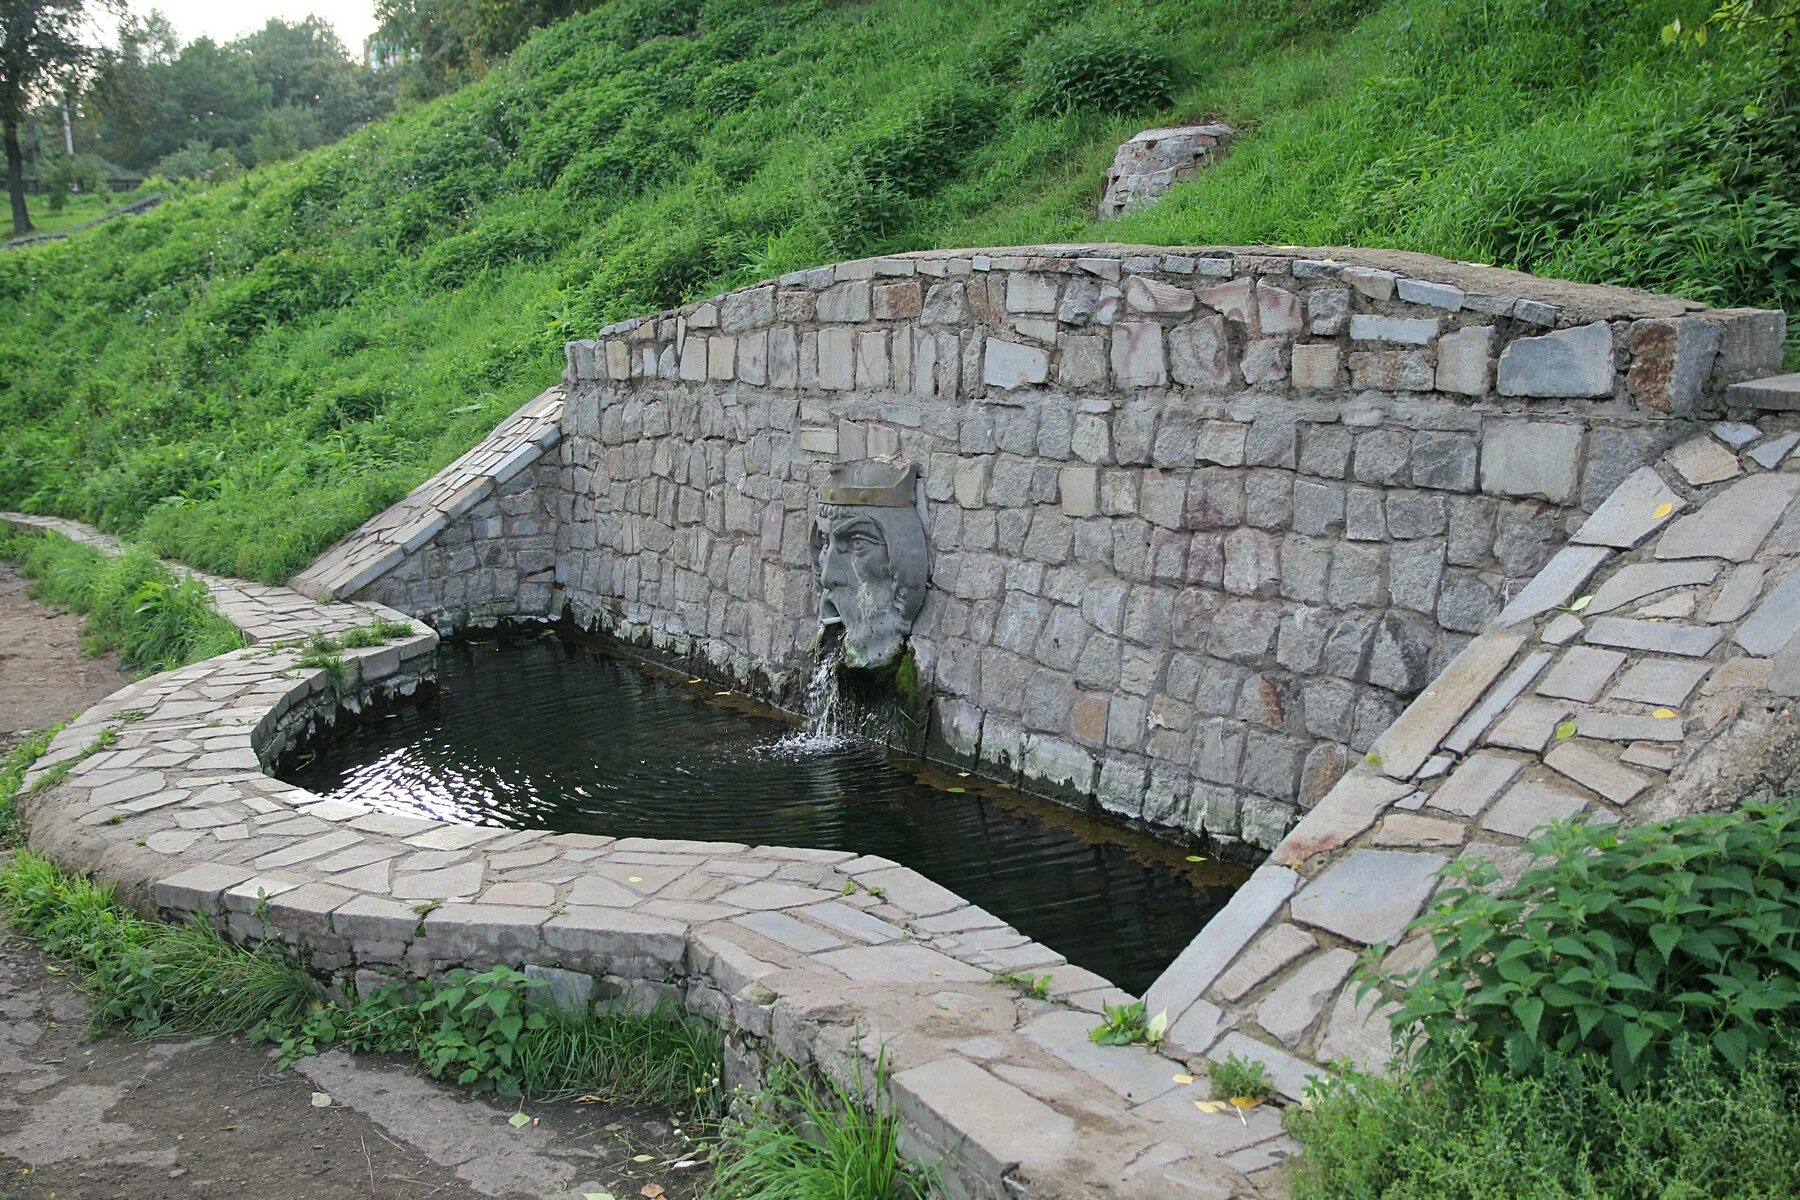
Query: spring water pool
{"x": 549, "y": 733}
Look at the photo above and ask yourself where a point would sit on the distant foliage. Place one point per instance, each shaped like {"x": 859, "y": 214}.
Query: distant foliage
{"x": 1616, "y": 943}
{"x": 1103, "y": 72}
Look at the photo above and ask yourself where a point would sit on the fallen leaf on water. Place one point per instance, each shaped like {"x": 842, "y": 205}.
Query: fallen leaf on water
{"x": 721, "y": 693}
{"x": 652, "y": 1190}
{"x": 955, "y": 790}
{"x": 634, "y": 879}
{"x": 321, "y": 1099}
{"x": 694, "y": 680}
{"x": 643, "y": 1158}
{"x": 1663, "y": 713}
{"x": 1581, "y": 602}
{"x": 962, "y": 774}
{"x": 684, "y": 1164}
{"x": 517, "y": 1120}
{"x": 1196, "y": 858}
{"x": 1662, "y": 510}
{"x": 1246, "y": 1102}
{"x": 1566, "y": 730}
{"x": 1183, "y": 1080}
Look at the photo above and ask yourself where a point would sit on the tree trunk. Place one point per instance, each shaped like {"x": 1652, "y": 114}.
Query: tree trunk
{"x": 15, "y": 179}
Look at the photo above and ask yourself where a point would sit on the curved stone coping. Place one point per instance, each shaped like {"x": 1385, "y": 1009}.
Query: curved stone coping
{"x": 382, "y": 543}
{"x": 804, "y": 953}
{"x": 1673, "y": 670}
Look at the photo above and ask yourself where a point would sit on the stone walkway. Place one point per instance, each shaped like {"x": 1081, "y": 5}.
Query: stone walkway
{"x": 807, "y": 954}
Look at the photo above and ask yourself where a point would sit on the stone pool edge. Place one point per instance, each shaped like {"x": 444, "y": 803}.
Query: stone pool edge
{"x": 805, "y": 954}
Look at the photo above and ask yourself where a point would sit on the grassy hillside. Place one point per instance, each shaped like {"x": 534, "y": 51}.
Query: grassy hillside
{"x": 242, "y": 375}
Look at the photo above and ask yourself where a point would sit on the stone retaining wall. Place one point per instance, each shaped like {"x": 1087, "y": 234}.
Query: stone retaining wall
{"x": 1202, "y": 521}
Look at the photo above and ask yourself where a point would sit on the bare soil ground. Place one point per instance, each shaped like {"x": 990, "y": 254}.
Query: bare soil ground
{"x": 116, "y": 1119}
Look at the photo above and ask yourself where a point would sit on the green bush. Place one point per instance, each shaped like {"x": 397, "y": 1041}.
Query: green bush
{"x": 1616, "y": 943}
{"x": 1100, "y": 71}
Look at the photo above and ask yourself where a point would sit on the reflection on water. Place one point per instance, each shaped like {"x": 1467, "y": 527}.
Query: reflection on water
{"x": 542, "y": 733}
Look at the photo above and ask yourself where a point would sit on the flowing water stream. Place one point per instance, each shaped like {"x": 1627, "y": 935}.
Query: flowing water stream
{"x": 547, "y": 733}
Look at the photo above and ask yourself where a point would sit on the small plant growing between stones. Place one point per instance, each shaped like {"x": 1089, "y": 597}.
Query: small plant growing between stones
{"x": 1240, "y": 1079}
{"x": 323, "y": 653}
{"x": 1126, "y": 1025}
{"x": 1037, "y": 986}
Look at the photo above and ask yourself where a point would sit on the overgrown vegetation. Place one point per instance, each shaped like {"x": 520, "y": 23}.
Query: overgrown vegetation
{"x": 800, "y": 1139}
{"x": 244, "y": 374}
{"x": 1617, "y": 1023}
{"x": 134, "y": 604}
{"x": 13, "y": 765}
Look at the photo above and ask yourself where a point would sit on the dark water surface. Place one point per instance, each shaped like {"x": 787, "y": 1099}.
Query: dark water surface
{"x": 542, "y": 733}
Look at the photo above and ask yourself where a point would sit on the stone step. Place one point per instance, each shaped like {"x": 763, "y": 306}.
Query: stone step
{"x": 1778, "y": 392}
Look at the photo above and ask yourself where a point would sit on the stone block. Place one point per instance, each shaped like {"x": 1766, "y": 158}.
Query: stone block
{"x": 837, "y": 359}
{"x": 1316, "y": 366}
{"x": 1671, "y": 361}
{"x": 1013, "y": 365}
{"x": 1137, "y": 354}
{"x": 1410, "y": 331}
{"x": 1464, "y": 361}
{"x": 1200, "y": 354}
{"x": 1290, "y": 1010}
{"x": 1391, "y": 370}
{"x": 1144, "y": 295}
{"x": 1220, "y": 940}
{"x": 849, "y": 301}
{"x": 1436, "y": 295}
{"x": 1529, "y": 806}
{"x": 1732, "y": 524}
{"x": 1568, "y": 363}
{"x": 600, "y": 937}
{"x": 1530, "y": 458}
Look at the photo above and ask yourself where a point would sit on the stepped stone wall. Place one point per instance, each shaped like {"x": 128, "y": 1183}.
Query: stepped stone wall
{"x": 1201, "y": 521}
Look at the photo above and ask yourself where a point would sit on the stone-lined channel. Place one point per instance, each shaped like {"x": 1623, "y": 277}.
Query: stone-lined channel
{"x": 547, "y": 733}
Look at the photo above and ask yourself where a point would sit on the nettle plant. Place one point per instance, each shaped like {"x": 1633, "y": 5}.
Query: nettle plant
{"x": 1617, "y": 942}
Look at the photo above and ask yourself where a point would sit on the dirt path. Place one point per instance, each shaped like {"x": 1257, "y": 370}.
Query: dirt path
{"x": 115, "y": 1119}
{"x": 44, "y": 677}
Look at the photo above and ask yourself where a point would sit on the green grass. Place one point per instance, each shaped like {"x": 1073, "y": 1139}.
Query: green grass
{"x": 244, "y": 374}
{"x": 13, "y": 765}
{"x": 807, "y": 1140}
{"x": 1705, "y": 1131}
{"x": 134, "y": 604}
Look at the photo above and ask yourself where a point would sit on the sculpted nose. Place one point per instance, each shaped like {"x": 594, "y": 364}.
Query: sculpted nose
{"x": 833, "y": 571}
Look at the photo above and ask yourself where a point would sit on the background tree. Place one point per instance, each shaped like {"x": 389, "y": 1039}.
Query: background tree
{"x": 39, "y": 41}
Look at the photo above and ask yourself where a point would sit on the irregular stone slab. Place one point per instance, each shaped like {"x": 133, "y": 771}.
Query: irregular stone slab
{"x": 1663, "y": 681}
{"x": 464, "y": 880}
{"x": 1528, "y": 725}
{"x": 1133, "y": 1072}
{"x": 1350, "y": 807}
{"x": 198, "y": 888}
{"x": 1472, "y": 785}
{"x": 1409, "y": 331}
{"x": 1555, "y": 585}
{"x": 1626, "y": 727}
{"x": 1741, "y": 589}
{"x": 1784, "y": 671}
{"x": 1013, "y": 365}
{"x": 1701, "y": 461}
{"x": 1775, "y": 620}
{"x": 1732, "y": 524}
{"x": 603, "y": 936}
{"x": 1221, "y": 940}
{"x": 1370, "y": 895}
{"x": 1660, "y": 637}
{"x": 1530, "y": 806}
{"x": 774, "y": 895}
{"x": 1638, "y": 580}
{"x": 1569, "y": 362}
{"x": 1581, "y": 673}
{"x": 1777, "y": 393}
{"x": 910, "y": 891}
{"x": 1411, "y": 829}
{"x": 600, "y": 892}
{"x": 1736, "y": 434}
{"x": 853, "y": 921}
{"x": 1360, "y": 1030}
{"x": 1597, "y": 772}
{"x": 1290, "y": 1010}
{"x": 1496, "y": 701}
{"x": 1628, "y": 516}
{"x": 1649, "y": 754}
{"x": 1770, "y": 454}
{"x": 795, "y": 935}
{"x": 1271, "y": 952}
{"x": 1561, "y": 628}
{"x": 993, "y": 1124}
{"x": 1405, "y": 745}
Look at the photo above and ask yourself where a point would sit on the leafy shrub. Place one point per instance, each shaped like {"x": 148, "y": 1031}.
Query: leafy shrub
{"x": 1240, "y": 1077}
{"x": 69, "y": 173}
{"x": 1616, "y": 942}
{"x": 1099, "y": 71}
{"x": 198, "y": 160}
{"x": 1706, "y": 1130}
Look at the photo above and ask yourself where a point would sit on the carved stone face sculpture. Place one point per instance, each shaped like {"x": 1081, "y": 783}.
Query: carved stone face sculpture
{"x": 869, "y": 548}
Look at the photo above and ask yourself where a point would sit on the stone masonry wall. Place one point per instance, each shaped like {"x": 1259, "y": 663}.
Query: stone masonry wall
{"x": 1202, "y": 521}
